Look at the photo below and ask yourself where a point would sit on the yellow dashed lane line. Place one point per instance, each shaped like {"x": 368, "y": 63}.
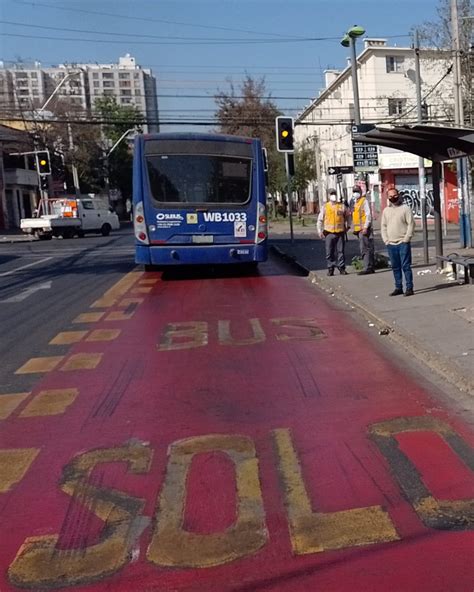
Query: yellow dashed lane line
{"x": 50, "y": 402}
{"x": 82, "y": 361}
{"x": 111, "y": 297}
{"x": 68, "y": 337}
{"x": 14, "y": 463}
{"x": 9, "y": 402}
{"x": 37, "y": 365}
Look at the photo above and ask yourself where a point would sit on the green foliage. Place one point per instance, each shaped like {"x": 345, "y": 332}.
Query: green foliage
{"x": 119, "y": 118}
{"x": 244, "y": 112}
{"x": 305, "y": 168}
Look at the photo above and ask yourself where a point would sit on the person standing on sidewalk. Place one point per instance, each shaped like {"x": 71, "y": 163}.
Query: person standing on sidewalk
{"x": 398, "y": 226}
{"x": 332, "y": 225}
{"x": 362, "y": 222}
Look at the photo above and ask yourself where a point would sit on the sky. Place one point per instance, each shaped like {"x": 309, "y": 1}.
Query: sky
{"x": 195, "y": 46}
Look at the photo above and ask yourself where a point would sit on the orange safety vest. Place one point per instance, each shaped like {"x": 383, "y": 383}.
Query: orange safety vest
{"x": 358, "y": 215}
{"x": 334, "y": 217}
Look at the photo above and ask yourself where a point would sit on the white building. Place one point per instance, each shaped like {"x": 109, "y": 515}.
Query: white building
{"x": 387, "y": 91}
{"x": 24, "y": 88}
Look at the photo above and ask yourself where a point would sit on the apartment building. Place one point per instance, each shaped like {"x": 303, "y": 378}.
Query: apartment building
{"x": 25, "y": 87}
{"x": 386, "y": 76}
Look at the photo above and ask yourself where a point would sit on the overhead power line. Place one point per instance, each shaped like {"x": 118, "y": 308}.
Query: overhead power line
{"x": 147, "y": 19}
{"x": 216, "y": 42}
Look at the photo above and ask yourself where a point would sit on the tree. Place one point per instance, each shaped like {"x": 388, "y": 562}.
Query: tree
{"x": 438, "y": 35}
{"x": 118, "y": 119}
{"x": 305, "y": 170}
{"x": 248, "y": 113}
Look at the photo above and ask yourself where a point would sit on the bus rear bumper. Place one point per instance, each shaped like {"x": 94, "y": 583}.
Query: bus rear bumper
{"x": 183, "y": 255}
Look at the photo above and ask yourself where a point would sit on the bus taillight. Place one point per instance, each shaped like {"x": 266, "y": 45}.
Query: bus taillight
{"x": 261, "y": 223}
{"x": 139, "y": 224}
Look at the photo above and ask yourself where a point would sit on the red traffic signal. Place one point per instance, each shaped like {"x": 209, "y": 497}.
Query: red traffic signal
{"x": 284, "y": 134}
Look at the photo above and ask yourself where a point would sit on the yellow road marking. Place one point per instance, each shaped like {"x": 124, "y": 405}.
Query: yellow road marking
{"x": 89, "y": 317}
{"x": 8, "y": 403}
{"x": 40, "y": 564}
{"x": 174, "y": 546}
{"x": 119, "y": 315}
{"x": 14, "y": 463}
{"x": 142, "y": 290}
{"x": 315, "y": 532}
{"x": 82, "y": 361}
{"x": 103, "y": 334}
{"x": 111, "y": 297}
{"x": 50, "y": 402}
{"x": 148, "y": 281}
{"x": 68, "y": 337}
{"x": 40, "y": 365}
{"x": 128, "y": 301}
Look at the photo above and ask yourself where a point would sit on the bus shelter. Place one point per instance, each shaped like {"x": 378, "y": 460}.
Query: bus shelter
{"x": 434, "y": 142}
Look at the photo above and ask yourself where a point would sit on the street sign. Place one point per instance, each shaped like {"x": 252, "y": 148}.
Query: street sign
{"x": 366, "y": 157}
{"x": 340, "y": 170}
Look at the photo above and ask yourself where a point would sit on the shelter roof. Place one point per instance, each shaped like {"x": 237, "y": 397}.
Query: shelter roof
{"x": 435, "y": 142}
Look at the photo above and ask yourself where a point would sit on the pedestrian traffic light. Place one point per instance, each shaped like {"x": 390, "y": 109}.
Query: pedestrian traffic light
{"x": 44, "y": 183}
{"x": 284, "y": 134}
{"x": 43, "y": 162}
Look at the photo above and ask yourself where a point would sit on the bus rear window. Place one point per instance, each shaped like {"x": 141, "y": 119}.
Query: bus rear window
{"x": 199, "y": 178}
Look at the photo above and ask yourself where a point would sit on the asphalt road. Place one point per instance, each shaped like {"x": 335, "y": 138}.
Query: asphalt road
{"x": 218, "y": 431}
{"x": 43, "y": 287}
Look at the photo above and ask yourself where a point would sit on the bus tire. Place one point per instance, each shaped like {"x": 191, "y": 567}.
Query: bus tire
{"x": 68, "y": 233}
{"x": 80, "y": 233}
{"x": 105, "y": 230}
{"x": 44, "y": 235}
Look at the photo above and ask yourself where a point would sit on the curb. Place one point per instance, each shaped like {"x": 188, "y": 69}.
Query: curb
{"x": 290, "y": 259}
{"x": 446, "y": 369}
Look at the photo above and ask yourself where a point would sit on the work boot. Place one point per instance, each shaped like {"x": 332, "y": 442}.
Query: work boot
{"x": 331, "y": 271}
{"x": 343, "y": 272}
{"x": 409, "y": 292}
{"x": 396, "y": 292}
{"x": 366, "y": 272}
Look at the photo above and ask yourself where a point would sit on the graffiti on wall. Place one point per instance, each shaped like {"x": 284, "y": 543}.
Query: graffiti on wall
{"x": 411, "y": 197}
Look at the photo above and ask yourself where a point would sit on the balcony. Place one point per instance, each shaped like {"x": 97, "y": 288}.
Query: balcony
{"x": 21, "y": 177}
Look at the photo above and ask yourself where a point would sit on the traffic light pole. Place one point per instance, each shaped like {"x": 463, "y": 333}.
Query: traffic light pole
{"x": 421, "y": 160}
{"x": 290, "y": 201}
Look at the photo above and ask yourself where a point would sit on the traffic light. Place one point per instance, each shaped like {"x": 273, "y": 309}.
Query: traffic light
{"x": 43, "y": 162}
{"x": 284, "y": 134}
{"x": 44, "y": 183}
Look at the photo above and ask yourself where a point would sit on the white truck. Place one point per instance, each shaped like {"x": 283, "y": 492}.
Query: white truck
{"x": 68, "y": 217}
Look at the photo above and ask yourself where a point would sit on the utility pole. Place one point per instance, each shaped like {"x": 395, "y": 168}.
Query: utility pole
{"x": 75, "y": 175}
{"x": 421, "y": 160}
{"x": 355, "y": 82}
{"x": 463, "y": 190}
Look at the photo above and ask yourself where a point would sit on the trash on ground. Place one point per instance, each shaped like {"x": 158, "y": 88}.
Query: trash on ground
{"x": 423, "y": 272}
{"x": 371, "y": 325}
{"x": 384, "y": 331}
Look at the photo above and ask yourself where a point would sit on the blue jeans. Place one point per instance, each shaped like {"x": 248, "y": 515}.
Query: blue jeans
{"x": 400, "y": 259}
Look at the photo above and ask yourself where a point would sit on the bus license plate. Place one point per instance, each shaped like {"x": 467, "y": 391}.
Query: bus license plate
{"x": 202, "y": 239}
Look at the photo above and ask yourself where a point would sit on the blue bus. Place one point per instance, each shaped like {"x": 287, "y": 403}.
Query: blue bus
{"x": 199, "y": 199}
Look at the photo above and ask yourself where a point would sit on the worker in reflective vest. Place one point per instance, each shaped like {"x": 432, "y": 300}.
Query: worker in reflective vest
{"x": 362, "y": 223}
{"x": 333, "y": 223}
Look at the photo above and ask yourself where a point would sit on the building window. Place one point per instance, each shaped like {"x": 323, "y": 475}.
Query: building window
{"x": 109, "y": 92}
{"x": 108, "y": 75}
{"x": 125, "y": 92}
{"x": 125, "y": 100}
{"x": 34, "y": 74}
{"x": 396, "y": 106}
{"x": 395, "y": 63}
{"x": 124, "y": 76}
{"x": 109, "y": 84}
{"x": 137, "y": 92}
{"x": 125, "y": 83}
{"x": 95, "y": 75}
{"x": 96, "y": 83}
{"x": 21, "y": 75}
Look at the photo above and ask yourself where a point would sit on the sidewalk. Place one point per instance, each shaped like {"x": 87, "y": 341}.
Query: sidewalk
{"x": 435, "y": 326}
{"x": 15, "y": 236}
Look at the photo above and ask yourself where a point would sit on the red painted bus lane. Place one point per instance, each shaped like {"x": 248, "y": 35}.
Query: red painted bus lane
{"x": 234, "y": 434}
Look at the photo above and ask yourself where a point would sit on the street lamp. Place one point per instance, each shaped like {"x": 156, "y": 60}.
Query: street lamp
{"x": 349, "y": 40}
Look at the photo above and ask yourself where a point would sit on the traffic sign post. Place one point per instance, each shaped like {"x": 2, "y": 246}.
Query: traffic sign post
{"x": 366, "y": 156}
